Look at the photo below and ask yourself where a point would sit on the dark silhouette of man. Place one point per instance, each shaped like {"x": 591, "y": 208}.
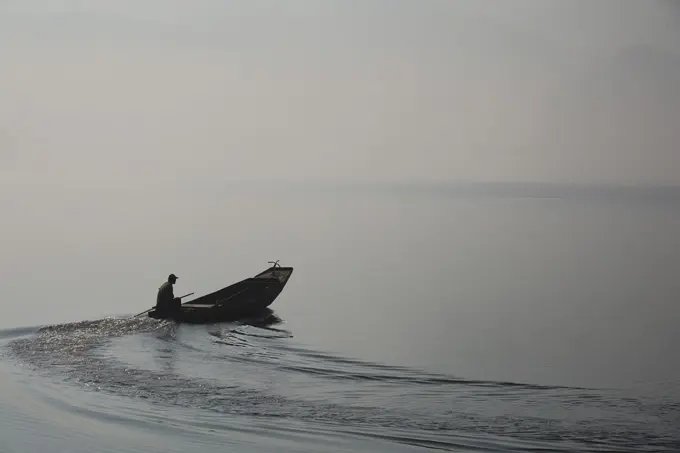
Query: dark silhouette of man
{"x": 166, "y": 301}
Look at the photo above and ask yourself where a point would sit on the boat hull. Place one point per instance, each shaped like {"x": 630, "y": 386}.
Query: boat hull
{"x": 239, "y": 300}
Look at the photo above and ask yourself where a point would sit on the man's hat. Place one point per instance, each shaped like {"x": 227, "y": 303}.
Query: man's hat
{"x": 172, "y": 277}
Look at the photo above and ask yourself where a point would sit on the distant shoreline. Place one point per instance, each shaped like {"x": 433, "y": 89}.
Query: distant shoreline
{"x": 493, "y": 189}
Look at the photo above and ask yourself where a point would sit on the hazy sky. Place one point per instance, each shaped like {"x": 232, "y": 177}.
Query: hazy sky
{"x": 167, "y": 93}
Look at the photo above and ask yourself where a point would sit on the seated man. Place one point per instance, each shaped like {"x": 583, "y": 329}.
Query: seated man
{"x": 166, "y": 302}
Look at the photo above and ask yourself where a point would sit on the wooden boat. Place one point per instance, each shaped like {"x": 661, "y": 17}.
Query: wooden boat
{"x": 242, "y": 299}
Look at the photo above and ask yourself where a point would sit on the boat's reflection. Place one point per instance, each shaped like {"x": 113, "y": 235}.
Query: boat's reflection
{"x": 165, "y": 351}
{"x": 263, "y": 319}
{"x": 169, "y": 336}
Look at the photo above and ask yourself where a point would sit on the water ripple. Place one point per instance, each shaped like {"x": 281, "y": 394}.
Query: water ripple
{"x": 253, "y": 369}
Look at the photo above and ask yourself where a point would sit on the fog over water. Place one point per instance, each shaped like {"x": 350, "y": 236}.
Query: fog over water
{"x": 481, "y": 203}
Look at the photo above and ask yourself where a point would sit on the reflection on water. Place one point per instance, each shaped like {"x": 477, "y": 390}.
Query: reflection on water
{"x": 164, "y": 350}
{"x": 253, "y": 368}
{"x": 514, "y": 325}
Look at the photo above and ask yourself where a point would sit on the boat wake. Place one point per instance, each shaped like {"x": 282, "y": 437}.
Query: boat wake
{"x": 253, "y": 368}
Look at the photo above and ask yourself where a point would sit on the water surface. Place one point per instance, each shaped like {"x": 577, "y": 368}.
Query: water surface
{"x": 413, "y": 322}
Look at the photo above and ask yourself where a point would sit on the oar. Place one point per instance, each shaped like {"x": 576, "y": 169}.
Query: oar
{"x": 139, "y": 314}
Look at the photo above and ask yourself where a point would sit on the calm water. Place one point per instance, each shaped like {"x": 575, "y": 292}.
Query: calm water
{"x": 413, "y": 321}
